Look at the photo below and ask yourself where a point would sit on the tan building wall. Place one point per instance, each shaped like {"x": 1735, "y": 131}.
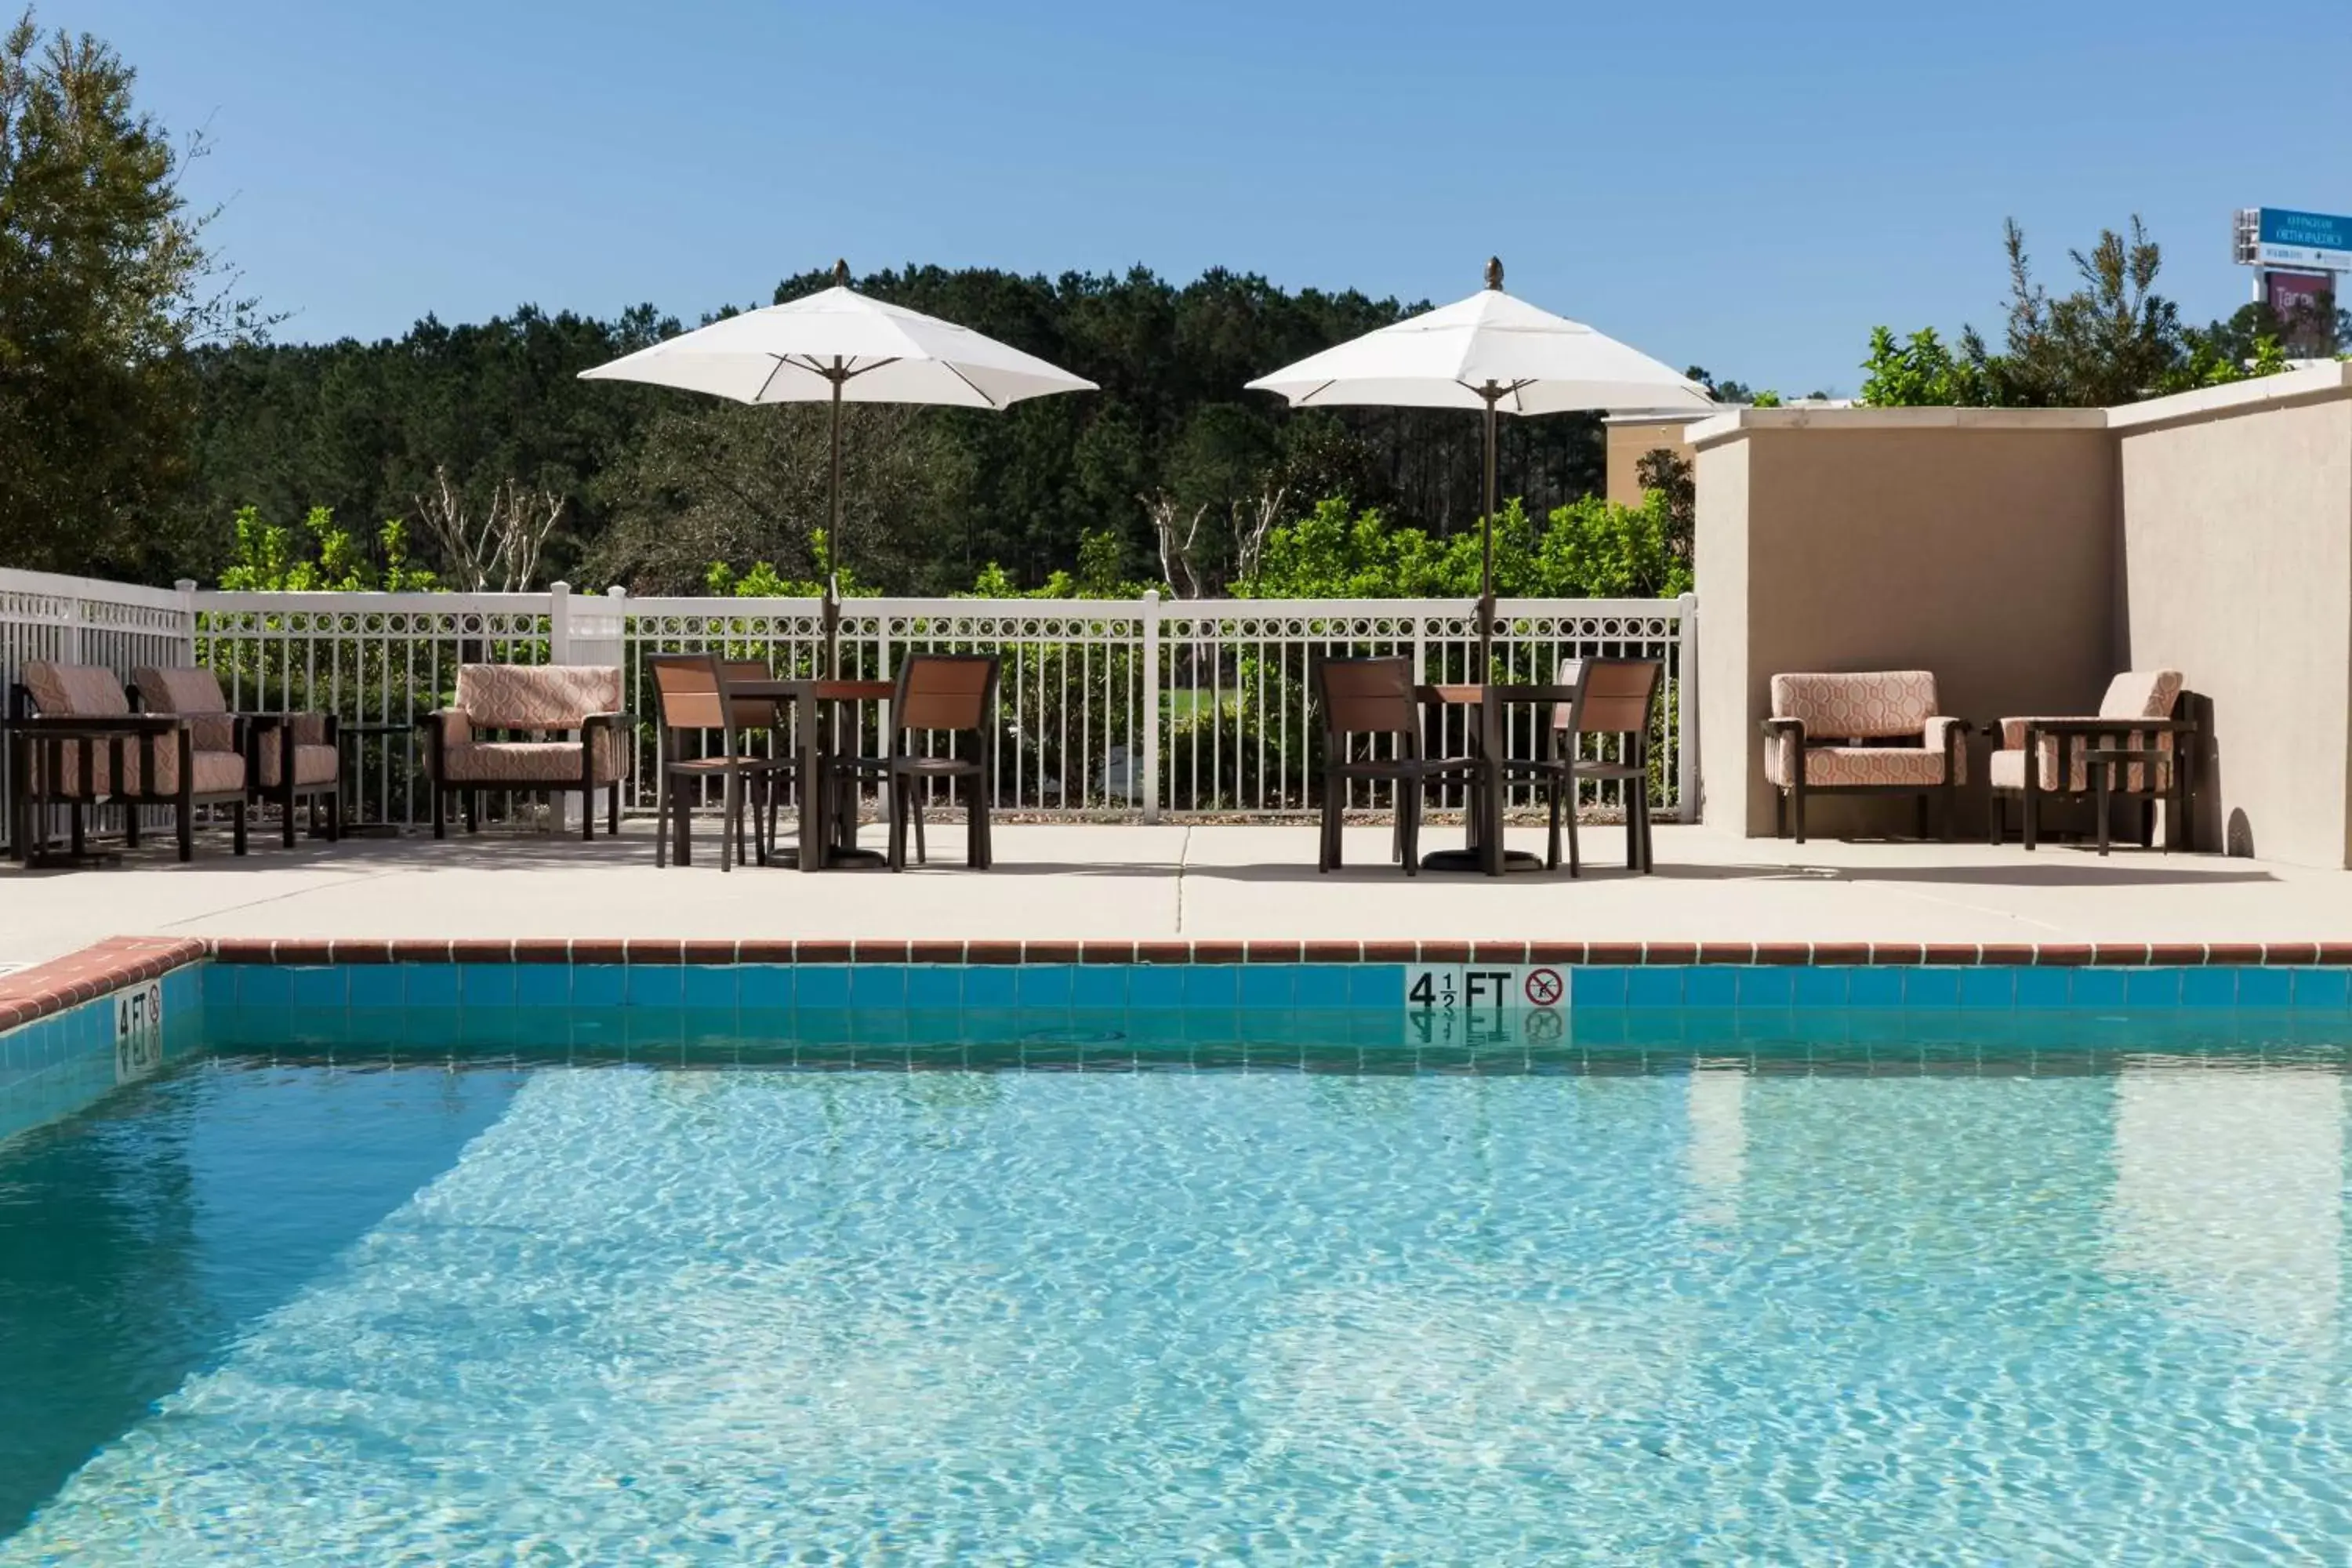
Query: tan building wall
{"x": 2026, "y": 555}
{"x": 1632, "y": 439}
{"x": 2237, "y": 540}
{"x": 1977, "y": 544}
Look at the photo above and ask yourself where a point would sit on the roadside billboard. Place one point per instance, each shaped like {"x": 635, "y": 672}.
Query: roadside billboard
{"x": 2280, "y": 237}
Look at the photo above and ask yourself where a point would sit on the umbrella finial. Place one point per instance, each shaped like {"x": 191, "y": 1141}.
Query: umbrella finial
{"x": 1494, "y": 273}
{"x": 841, "y": 274}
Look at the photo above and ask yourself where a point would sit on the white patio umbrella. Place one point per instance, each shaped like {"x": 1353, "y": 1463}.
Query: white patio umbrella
{"x": 837, "y": 347}
{"x": 1490, "y": 351}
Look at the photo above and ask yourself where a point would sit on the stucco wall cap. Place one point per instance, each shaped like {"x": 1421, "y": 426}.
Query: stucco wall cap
{"x": 1742, "y": 422}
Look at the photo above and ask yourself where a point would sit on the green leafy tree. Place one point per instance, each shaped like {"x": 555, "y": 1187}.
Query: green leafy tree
{"x": 323, "y": 558}
{"x": 1590, "y": 548}
{"x": 105, "y": 289}
{"x": 1918, "y": 372}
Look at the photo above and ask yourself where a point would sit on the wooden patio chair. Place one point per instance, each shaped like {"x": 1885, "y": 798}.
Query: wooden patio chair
{"x": 291, "y": 758}
{"x": 951, "y": 694}
{"x": 692, "y": 693}
{"x": 1372, "y": 698}
{"x": 80, "y": 746}
{"x": 1615, "y": 696}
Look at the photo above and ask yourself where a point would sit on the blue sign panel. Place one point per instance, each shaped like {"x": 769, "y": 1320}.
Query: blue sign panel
{"x": 2316, "y": 230}
{"x": 2316, "y": 240}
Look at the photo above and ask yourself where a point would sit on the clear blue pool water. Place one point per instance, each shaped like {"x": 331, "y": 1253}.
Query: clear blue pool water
{"x": 1736, "y": 1303}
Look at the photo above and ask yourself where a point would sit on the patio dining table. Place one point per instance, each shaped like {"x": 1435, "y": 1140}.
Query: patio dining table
{"x": 827, "y": 838}
{"x": 1489, "y": 737}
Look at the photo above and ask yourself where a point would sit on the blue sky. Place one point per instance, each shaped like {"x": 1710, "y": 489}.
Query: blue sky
{"x": 1747, "y": 187}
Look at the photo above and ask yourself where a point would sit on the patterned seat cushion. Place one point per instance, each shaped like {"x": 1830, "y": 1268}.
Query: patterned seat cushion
{"x": 1867, "y": 705}
{"x": 553, "y": 763}
{"x": 214, "y": 772}
{"x": 1857, "y": 706}
{"x": 189, "y": 690}
{"x": 74, "y": 690}
{"x": 313, "y": 764}
{"x": 2133, "y": 694}
{"x": 1844, "y": 767}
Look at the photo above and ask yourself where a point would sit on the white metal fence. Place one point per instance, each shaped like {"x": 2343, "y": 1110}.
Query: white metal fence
{"x": 1139, "y": 707}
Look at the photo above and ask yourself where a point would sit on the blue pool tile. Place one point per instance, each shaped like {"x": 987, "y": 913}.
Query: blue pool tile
{"x": 1597, "y": 986}
{"x": 2323, "y": 988}
{"x": 1159, "y": 986}
{"x": 185, "y": 988}
{"x": 1710, "y": 985}
{"x": 1270, "y": 985}
{"x": 2265, "y": 987}
{"x": 2214, "y": 988}
{"x": 1767, "y": 985}
{"x": 324, "y": 987}
{"x": 2045, "y": 987}
{"x": 263, "y": 985}
{"x": 821, "y": 985}
{"x": 1321, "y": 985}
{"x": 1992, "y": 985}
{"x": 990, "y": 985}
{"x": 657, "y": 985}
{"x": 878, "y": 985}
{"x": 1658, "y": 985}
{"x": 1930, "y": 988}
{"x": 1043, "y": 984}
{"x": 1874, "y": 986}
{"x": 485, "y": 984}
{"x": 933, "y": 987}
{"x": 1820, "y": 985}
{"x": 426, "y": 985}
{"x": 598, "y": 984}
{"x": 1100, "y": 985}
{"x": 2152, "y": 988}
{"x": 1212, "y": 985}
{"x": 2098, "y": 988}
{"x": 767, "y": 987}
{"x": 537, "y": 985}
{"x": 378, "y": 985}
{"x": 1377, "y": 985}
{"x": 709, "y": 988}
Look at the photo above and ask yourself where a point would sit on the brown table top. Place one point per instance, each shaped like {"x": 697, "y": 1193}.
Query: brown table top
{"x": 826, "y": 690}
{"x": 1463, "y": 693}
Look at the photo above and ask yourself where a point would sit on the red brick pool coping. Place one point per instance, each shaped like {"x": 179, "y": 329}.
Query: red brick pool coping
{"x": 37, "y": 992}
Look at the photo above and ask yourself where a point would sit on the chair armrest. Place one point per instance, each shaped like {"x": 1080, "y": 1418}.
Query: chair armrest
{"x": 106, "y": 724}
{"x": 2108, "y": 726}
{"x": 1774, "y": 727}
{"x": 1938, "y": 733}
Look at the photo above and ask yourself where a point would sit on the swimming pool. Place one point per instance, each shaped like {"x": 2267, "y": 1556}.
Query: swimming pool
{"x": 334, "y": 1283}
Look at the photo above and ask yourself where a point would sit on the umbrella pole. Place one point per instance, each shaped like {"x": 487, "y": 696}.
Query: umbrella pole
{"x": 1492, "y": 394}
{"x": 833, "y": 544}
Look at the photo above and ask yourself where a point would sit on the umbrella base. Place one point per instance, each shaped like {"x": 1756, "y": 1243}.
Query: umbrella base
{"x": 1472, "y": 861}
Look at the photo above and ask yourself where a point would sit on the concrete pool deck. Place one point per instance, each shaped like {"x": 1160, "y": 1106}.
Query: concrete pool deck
{"x": 1072, "y": 882}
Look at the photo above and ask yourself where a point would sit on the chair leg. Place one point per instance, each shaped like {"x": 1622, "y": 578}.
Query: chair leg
{"x": 1575, "y": 848}
{"x": 2100, "y": 794}
{"x": 74, "y": 831}
{"x": 1797, "y": 810}
{"x": 1324, "y": 858}
{"x": 1408, "y": 797}
{"x": 1779, "y": 813}
{"x": 613, "y": 810}
{"x": 731, "y": 807}
{"x": 898, "y": 847}
{"x": 285, "y": 802}
{"x": 473, "y": 811}
{"x": 1551, "y": 807}
{"x": 131, "y": 827}
{"x": 914, "y": 809}
{"x": 1994, "y": 811}
{"x": 661, "y": 821}
{"x": 187, "y": 830}
{"x": 976, "y": 814}
{"x": 440, "y": 811}
{"x": 237, "y": 829}
{"x": 1649, "y": 857}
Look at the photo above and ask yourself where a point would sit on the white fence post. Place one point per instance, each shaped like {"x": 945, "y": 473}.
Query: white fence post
{"x": 559, "y": 623}
{"x": 1686, "y": 801}
{"x": 1151, "y": 705}
{"x": 187, "y": 588}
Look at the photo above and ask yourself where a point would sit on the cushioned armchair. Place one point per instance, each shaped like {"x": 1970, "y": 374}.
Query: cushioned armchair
{"x": 1875, "y": 733}
{"x": 289, "y": 758}
{"x": 531, "y": 727}
{"x": 2143, "y": 742}
{"x": 79, "y": 745}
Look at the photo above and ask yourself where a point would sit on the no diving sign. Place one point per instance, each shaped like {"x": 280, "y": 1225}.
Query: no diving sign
{"x": 1483, "y": 987}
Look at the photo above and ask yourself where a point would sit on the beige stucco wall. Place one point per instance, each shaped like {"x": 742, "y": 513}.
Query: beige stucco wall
{"x": 2236, "y": 545}
{"x": 1631, "y": 440}
{"x": 1980, "y": 545}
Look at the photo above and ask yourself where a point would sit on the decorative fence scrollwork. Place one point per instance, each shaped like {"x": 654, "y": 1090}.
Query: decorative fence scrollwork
{"x": 1138, "y": 708}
